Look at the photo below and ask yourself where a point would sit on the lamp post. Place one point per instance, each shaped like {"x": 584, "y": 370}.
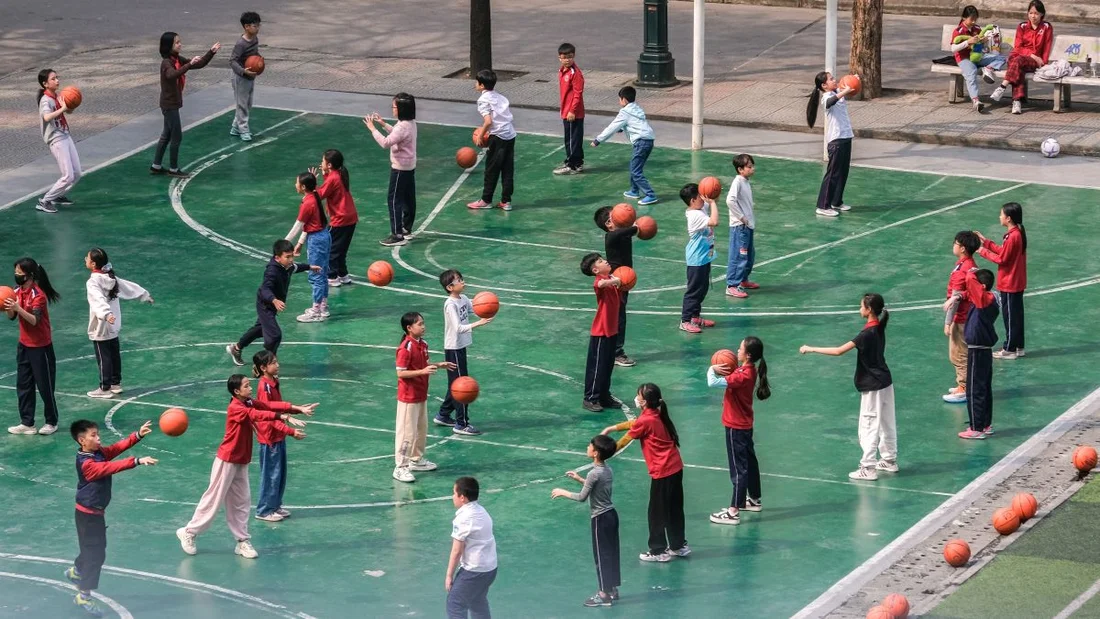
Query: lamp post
{"x": 656, "y": 67}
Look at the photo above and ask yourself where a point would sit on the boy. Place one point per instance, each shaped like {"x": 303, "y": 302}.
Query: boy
{"x": 742, "y": 227}
{"x": 699, "y": 253}
{"x": 605, "y": 520}
{"x": 970, "y": 34}
{"x": 571, "y": 88}
{"x": 457, "y": 335}
{"x": 966, "y": 243}
{"x": 271, "y": 299}
{"x": 601, "y": 342}
{"x": 94, "y": 469}
{"x": 473, "y": 552}
{"x": 618, "y": 245}
{"x": 980, "y": 334}
{"x": 631, "y": 119}
{"x": 243, "y": 79}
{"x": 497, "y": 124}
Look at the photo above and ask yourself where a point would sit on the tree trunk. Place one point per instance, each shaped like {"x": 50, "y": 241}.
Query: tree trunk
{"x": 481, "y": 36}
{"x": 866, "y": 57}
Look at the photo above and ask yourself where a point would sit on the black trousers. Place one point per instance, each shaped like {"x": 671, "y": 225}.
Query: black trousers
{"x": 666, "y": 513}
{"x": 401, "y": 200}
{"x": 91, "y": 534}
{"x": 451, "y": 405}
{"x": 499, "y": 163}
{"x": 597, "y": 370}
{"x": 109, "y": 358}
{"x": 979, "y": 387}
{"x": 620, "y": 339}
{"x": 338, "y": 254}
{"x": 267, "y": 325}
{"x": 744, "y": 469}
{"x": 574, "y": 142}
{"x": 36, "y": 368}
{"x": 836, "y": 175}
{"x": 698, "y": 283}
{"x": 171, "y": 135}
{"x": 1012, "y": 311}
{"x": 605, "y": 549}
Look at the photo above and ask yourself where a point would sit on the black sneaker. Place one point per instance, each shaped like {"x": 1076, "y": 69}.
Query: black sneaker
{"x": 611, "y": 402}
{"x": 597, "y": 600}
{"x": 235, "y": 353}
{"x": 393, "y": 241}
{"x": 45, "y": 207}
{"x": 624, "y": 361}
{"x": 64, "y": 200}
{"x": 155, "y": 171}
{"x": 177, "y": 173}
{"x": 592, "y": 406}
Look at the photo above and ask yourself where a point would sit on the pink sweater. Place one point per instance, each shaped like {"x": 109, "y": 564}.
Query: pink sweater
{"x": 402, "y": 144}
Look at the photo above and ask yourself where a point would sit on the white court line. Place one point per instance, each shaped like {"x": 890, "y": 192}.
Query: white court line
{"x": 119, "y": 609}
{"x": 560, "y": 148}
{"x": 543, "y": 245}
{"x": 1080, "y": 601}
{"x": 447, "y": 196}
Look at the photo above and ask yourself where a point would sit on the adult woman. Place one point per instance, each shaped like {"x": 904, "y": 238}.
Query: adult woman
{"x": 1031, "y": 50}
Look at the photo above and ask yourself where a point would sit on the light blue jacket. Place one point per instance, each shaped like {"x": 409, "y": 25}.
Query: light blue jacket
{"x": 630, "y": 119}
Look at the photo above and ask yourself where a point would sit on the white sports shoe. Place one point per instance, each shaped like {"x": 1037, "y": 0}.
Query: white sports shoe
{"x": 887, "y": 466}
{"x": 282, "y": 512}
{"x": 272, "y": 517}
{"x": 116, "y": 388}
{"x": 402, "y": 473}
{"x": 827, "y": 212}
{"x": 245, "y": 549}
{"x": 101, "y": 393}
{"x": 346, "y": 279}
{"x": 863, "y": 474}
{"x": 47, "y": 429}
{"x": 1017, "y": 107}
{"x": 310, "y": 315}
{"x": 998, "y": 92}
{"x": 842, "y": 207}
{"x": 422, "y": 465}
{"x": 22, "y": 429}
{"x": 187, "y": 541}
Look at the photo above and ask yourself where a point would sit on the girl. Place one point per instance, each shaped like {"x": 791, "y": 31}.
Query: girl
{"x": 1011, "y": 260}
{"x": 661, "y": 450}
{"x": 37, "y": 365}
{"x": 838, "y": 134}
{"x": 55, "y": 132}
{"x": 737, "y": 417}
{"x": 402, "y": 144}
{"x": 272, "y": 437}
{"x": 968, "y": 34}
{"x": 173, "y": 77}
{"x": 1031, "y": 50}
{"x": 105, "y": 318}
{"x": 229, "y": 475}
{"x": 313, "y": 228}
{"x": 336, "y": 191}
{"x": 413, "y": 371}
{"x": 877, "y": 429}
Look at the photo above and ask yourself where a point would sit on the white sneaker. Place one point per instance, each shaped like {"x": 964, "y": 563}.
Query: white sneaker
{"x": 116, "y": 388}
{"x": 100, "y": 393}
{"x": 22, "y": 429}
{"x": 863, "y": 474}
{"x": 955, "y": 397}
{"x": 1017, "y": 107}
{"x": 272, "y": 517}
{"x": 753, "y": 505}
{"x": 187, "y": 541}
{"x": 1019, "y": 352}
{"x": 1006, "y": 354}
{"x": 245, "y": 549}
{"x": 282, "y": 512}
{"x": 47, "y": 430}
{"x": 988, "y": 75}
{"x": 683, "y": 551}
{"x": 310, "y": 315}
{"x": 842, "y": 207}
{"x": 649, "y": 557}
{"x": 725, "y": 517}
{"x": 827, "y": 212}
{"x": 346, "y": 279}
{"x": 402, "y": 473}
{"x": 334, "y": 282}
{"x": 998, "y": 92}
{"x": 324, "y": 311}
{"x": 422, "y": 465}
{"x": 886, "y": 466}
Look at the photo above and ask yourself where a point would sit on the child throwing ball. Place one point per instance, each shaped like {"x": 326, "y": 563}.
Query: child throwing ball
{"x": 55, "y": 132}
{"x": 272, "y": 438}
{"x": 105, "y": 318}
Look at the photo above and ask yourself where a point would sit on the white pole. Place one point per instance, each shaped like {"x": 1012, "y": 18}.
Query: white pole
{"x": 831, "y": 13}
{"x": 697, "y": 78}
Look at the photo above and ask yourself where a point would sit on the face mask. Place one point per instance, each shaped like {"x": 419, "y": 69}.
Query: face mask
{"x": 639, "y": 402}
{"x": 20, "y": 279}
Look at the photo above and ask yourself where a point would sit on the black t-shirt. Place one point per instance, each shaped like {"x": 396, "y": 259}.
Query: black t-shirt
{"x": 619, "y": 247}
{"x": 872, "y": 373}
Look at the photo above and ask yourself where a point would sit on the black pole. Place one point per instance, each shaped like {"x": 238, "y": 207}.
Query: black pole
{"x": 481, "y": 36}
{"x": 656, "y": 67}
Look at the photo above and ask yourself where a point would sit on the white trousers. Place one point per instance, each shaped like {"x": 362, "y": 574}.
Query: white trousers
{"x": 878, "y": 431}
{"x": 228, "y": 485}
{"x": 64, "y": 152}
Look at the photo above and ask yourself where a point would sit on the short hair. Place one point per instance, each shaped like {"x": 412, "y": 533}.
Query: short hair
{"x": 282, "y": 246}
{"x": 567, "y": 48}
{"x": 689, "y": 193}
{"x": 602, "y": 216}
{"x": 406, "y": 106}
{"x": 234, "y": 383}
{"x": 628, "y": 93}
{"x": 969, "y": 241}
{"x": 604, "y": 446}
{"x": 970, "y": 11}
{"x": 166, "y": 41}
{"x": 487, "y": 78}
{"x": 742, "y": 161}
{"x": 250, "y": 18}
{"x": 409, "y": 319}
{"x": 588, "y": 262}
{"x": 448, "y": 277}
{"x": 80, "y": 426}
{"x": 985, "y": 278}
{"x": 467, "y": 487}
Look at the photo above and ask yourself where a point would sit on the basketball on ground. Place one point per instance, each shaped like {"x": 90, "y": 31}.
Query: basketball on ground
{"x": 724, "y": 357}
{"x": 466, "y": 157}
{"x": 71, "y": 96}
{"x": 481, "y": 139}
{"x": 486, "y": 304}
{"x": 956, "y": 552}
{"x": 380, "y": 273}
{"x": 464, "y": 389}
{"x": 623, "y": 215}
{"x": 897, "y": 604}
{"x": 254, "y": 64}
{"x": 851, "y": 81}
{"x": 1084, "y": 458}
{"x": 5, "y": 294}
{"x": 1006, "y": 521}
{"x": 647, "y": 227}
{"x": 173, "y": 422}
{"x": 710, "y": 188}
{"x": 627, "y": 276}
{"x": 1025, "y": 506}
{"x": 879, "y": 612}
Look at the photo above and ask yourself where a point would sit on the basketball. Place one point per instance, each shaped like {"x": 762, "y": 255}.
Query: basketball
{"x": 724, "y": 357}
{"x": 464, "y": 389}
{"x": 623, "y": 215}
{"x": 1025, "y": 506}
{"x": 710, "y": 187}
{"x": 71, "y": 96}
{"x": 486, "y": 304}
{"x": 1084, "y": 458}
{"x": 627, "y": 276}
{"x": 956, "y": 552}
{"x": 851, "y": 81}
{"x": 380, "y": 273}
{"x": 897, "y": 604}
{"x": 481, "y": 140}
{"x": 879, "y": 612}
{"x": 647, "y": 227}
{"x": 173, "y": 422}
{"x": 1006, "y": 521}
{"x": 254, "y": 64}
{"x": 5, "y": 294}
{"x": 466, "y": 157}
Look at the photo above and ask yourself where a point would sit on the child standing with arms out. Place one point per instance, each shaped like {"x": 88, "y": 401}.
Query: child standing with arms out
{"x": 34, "y": 356}
{"x": 618, "y": 245}
{"x": 496, "y": 118}
{"x": 229, "y": 475}
{"x": 966, "y": 243}
{"x": 473, "y": 554}
{"x": 605, "y": 520}
{"x": 413, "y": 371}
{"x": 838, "y": 129}
{"x": 980, "y": 335}
{"x": 877, "y": 427}
{"x": 311, "y": 227}
{"x": 244, "y": 81}
{"x": 336, "y": 191}
{"x": 401, "y": 197}
{"x": 742, "y": 227}
{"x": 571, "y": 89}
{"x": 94, "y": 473}
{"x": 457, "y": 336}
{"x": 631, "y": 119}
{"x": 55, "y": 132}
{"x": 105, "y": 318}
{"x": 737, "y": 417}
{"x": 272, "y": 438}
{"x": 173, "y": 77}
{"x": 603, "y": 335}
{"x": 699, "y": 253}
{"x": 1011, "y": 260}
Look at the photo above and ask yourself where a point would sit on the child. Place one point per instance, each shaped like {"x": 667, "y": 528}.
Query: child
{"x": 413, "y": 371}
{"x": 229, "y": 475}
{"x": 742, "y": 227}
{"x": 336, "y": 191}
{"x": 838, "y": 127}
{"x": 401, "y": 197}
{"x": 55, "y": 132}
{"x": 94, "y": 470}
{"x": 618, "y": 244}
{"x": 457, "y": 336}
{"x": 312, "y": 227}
{"x": 34, "y": 356}
{"x": 270, "y": 300}
{"x": 173, "y": 77}
{"x": 1030, "y": 50}
{"x": 981, "y": 335}
{"x": 272, "y": 437}
{"x": 105, "y": 318}
{"x": 604, "y": 332}
{"x": 571, "y": 89}
{"x": 497, "y": 124}
{"x": 473, "y": 553}
{"x": 737, "y": 417}
{"x": 631, "y": 119}
{"x": 244, "y": 81}
{"x": 661, "y": 450}
{"x": 1011, "y": 261}
{"x": 605, "y": 520}
{"x": 699, "y": 253}
{"x": 966, "y": 243}
{"x": 970, "y": 34}
{"x": 877, "y": 428}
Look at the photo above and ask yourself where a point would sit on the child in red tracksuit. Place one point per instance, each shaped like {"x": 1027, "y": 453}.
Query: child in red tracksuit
{"x": 336, "y": 191}
{"x": 1031, "y": 50}
{"x": 272, "y": 438}
{"x": 1011, "y": 260}
{"x": 571, "y": 89}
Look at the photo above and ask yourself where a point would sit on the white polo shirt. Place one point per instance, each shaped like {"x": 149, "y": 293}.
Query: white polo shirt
{"x": 496, "y": 106}
{"x": 473, "y": 525}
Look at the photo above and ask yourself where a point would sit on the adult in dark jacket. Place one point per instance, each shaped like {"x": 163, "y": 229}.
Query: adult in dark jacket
{"x": 173, "y": 77}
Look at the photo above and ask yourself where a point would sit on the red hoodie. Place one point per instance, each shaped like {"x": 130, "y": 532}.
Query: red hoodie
{"x": 571, "y": 86}
{"x": 737, "y": 403}
{"x": 1011, "y": 261}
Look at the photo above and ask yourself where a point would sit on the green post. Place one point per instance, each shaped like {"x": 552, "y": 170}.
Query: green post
{"x": 656, "y": 67}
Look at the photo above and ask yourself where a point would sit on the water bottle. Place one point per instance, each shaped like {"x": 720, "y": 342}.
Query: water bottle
{"x": 1089, "y": 70}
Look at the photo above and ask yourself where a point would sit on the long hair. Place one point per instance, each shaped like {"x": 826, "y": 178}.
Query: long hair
{"x": 815, "y": 98}
{"x": 407, "y": 320}
{"x": 754, "y": 348}
{"x": 1015, "y": 213}
{"x": 37, "y": 274}
{"x": 43, "y": 75}
{"x": 335, "y": 160}
{"x": 166, "y": 41}
{"x": 260, "y": 361}
{"x": 99, "y": 258}
{"x": 652, "y": 395}
{"x": 874, "y": 302}
{"x": 309, "y": 182}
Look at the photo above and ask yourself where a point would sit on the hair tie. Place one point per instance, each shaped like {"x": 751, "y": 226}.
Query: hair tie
{"x": 107, "y": 268}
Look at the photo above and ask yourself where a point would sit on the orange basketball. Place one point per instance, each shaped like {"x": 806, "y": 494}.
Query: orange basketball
{"x": 851, "y": 81}
{"x": 647, "y": 227}
{"x": 724, "y": 357}
{"x": 956, "y": 552}
{"x": 380, "y": 273}
{"x": 466, "y": 157}
{"x": 623, "y": 215}
{"x": 464, "y": 389}
{"x": 879, "y": 612}
{"x": 1084, "y": 458}
{"x": 254, "y": 64}
{"x": 173, "y": 422}
{"x": 897, "y": 604}
{"x": 710, "y": 187}
{"x": 481, "y": 139}
{"x": 1025, "y": 506}
{"x": 5, "y": 294}
{"x": 1006, "y": 521}
{"x": 627, "y": 276}
{"x": 486, "y": 304}
{"x": 71, "y": 96}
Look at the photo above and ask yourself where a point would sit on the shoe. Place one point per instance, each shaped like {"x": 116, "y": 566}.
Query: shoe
{"x": 479, "y": 204}
{"x": 45, "y": 207}
{"x": 233, "y": 131}
{"x": 187, "y": 541}
{"x": 955, "y": 397}
{"x": 244, "y": 547}
{"x": 47, "y": 429}
{"x": 725, "y": 517}
{"x": 886, "y": 466}
{"x": 466, "y": 430}
{"x": 101, "y": 393}
{"x": 988, "y": 75}
{"x": 998, "y": 92}
{"x": 646, "y": 201}
{"x": 588, "y": 406}
{"x": 753, "y": 505}
{"x": 683, "y": 551}
{"x": 73, "y": 575}
{"x": 649, "y": 557}
{"x": 235, "y": 354}
{"x": 178, "y": 174}
{"x": 311, "y": 315}
{"x": 631, "y": 195}
{"x": 1017, "y": 107}
{"x": 22, "y": 429}
{"x": 863, "y": 474}
{"x": 443, "y": 420}
{"x": 408, "y": 235}
{"x": 736, "y": 292}
{"x": 334, "y": 282}
{"x": 422, "y": 465}
{"x": 393, "y": 241}
{"x": 1006, "y": 355}
{"x": 282, "y": 512}
{"x": 402, "y": 473}
{"x": 611, "y": 402}
{"x": 1019, "y": 353}
{"x": 345, "y": 279}
{"x": 842, "y": 207}
{"x": 561, "y": 168}
{"x": 971, "y": 435}
{"x": 988, "y": 431}
{"x": 566, "y": 171}
{"x": 246, "y": 137}
{"x": 747, "y": 285}
{"x": 827, "y": 212}
{"x": 64, "y": 201}
{"x": 324, "y": 311}
{"x": 116, "y": 388}
{"x": 615, "y": 593}
{"x": 505, "y": 206}
{"x": 624, "y": 362}
{"x": 272, "y": 517}
{"x": 155, "y": 171}
{"x": 88, "y": 604}
{"x": 979, "y": 107}
{"x": 690, "y": 327}
{"x": 702, "y": 322}
{"x": 597, "y": 600}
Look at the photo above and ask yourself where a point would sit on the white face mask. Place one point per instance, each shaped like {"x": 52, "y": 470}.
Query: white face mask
{"x": 639, "y": 402}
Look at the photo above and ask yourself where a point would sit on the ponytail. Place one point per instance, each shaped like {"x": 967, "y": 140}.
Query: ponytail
{"x": 651, "y": 394}
{"x": 320, "y": 209}
{"x": 261, "y": 360}
{"x": 99, "y": 258}
{"x": 815, "y": 98}
{"x": 43, "y": 76}
{"x": 335, "y": 160}
{"x": 309, "y": 182}
{"x": 754, "y": 348}
{"x": 875, "y": 303}
{"x": 37, "y": 274}
{"x": 1015, "y": 213}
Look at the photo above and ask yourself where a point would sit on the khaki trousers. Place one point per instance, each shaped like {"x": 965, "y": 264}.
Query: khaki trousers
{"x": 412, "y": 432}
{"x": 956, "y": 351}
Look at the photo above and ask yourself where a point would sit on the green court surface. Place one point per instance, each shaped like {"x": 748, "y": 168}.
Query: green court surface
{"x": 361, "y": 544}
